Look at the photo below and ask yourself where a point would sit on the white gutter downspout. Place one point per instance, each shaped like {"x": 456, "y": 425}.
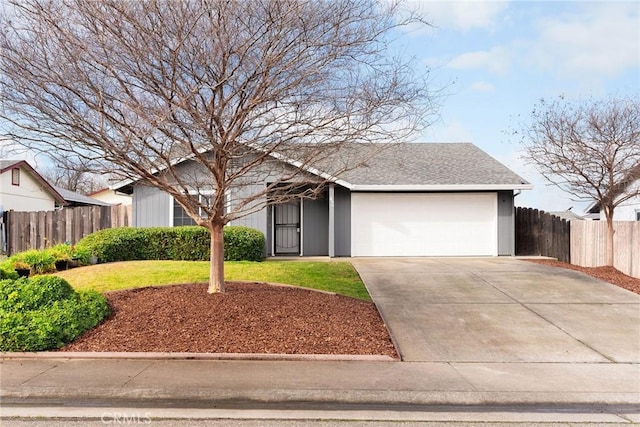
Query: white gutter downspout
{"x": 273, "y": 230}
{"x": 332, "y": 221}
{"x": 301, "y": 226}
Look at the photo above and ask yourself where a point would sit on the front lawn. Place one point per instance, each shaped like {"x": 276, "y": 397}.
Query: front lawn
{"x": 335, "y": 276}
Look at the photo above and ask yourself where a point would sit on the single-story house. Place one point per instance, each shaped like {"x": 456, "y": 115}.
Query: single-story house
{"x": 22, "y": 189}
{"x": 629, "y": 210}
{"x": 412, "y": 199}
{"x": 111, "y": 196}
{"x": 74, "y": 199}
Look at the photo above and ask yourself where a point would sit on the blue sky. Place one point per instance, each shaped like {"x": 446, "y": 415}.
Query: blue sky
{"x": 497, "y": 59}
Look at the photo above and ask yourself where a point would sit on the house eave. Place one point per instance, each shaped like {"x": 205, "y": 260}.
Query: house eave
{"x": 441, "y": 187}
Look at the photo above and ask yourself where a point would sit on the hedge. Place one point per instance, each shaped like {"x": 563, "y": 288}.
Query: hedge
{"x": 190, "y": 243}
{"x": 45, "y": 313}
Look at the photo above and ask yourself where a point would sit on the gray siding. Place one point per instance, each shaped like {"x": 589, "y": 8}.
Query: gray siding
{"x": 506, "y": 224}
{"x": 316, "y": 227}
{"x": 151, "y": 207}
{"x": 342, "y": 222}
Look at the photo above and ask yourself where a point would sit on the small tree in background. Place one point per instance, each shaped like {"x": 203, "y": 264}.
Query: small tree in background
{"x": 590, "y": 149}
{"x": 136, "y": 86}
{"x": 70, "y": 173}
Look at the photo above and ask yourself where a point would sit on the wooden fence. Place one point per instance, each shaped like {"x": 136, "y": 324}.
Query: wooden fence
{"x": 38, "y": 230}
{"x": 589, "y": 245}
{"x": 541, "y": 234}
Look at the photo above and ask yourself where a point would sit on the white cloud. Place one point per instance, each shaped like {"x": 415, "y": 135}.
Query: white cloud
{"x": 462, "y": 15}
{"x": 497, "y": 60}
{"x": 594, "y": 41}
{"x": 603, "y": 40}
{"x": 482, "y": 87}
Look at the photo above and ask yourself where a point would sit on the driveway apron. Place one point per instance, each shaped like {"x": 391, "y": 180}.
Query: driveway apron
{"x": 490, "y": 310}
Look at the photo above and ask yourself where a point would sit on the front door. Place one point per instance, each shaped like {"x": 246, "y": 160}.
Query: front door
{"x": 287, "y": 228}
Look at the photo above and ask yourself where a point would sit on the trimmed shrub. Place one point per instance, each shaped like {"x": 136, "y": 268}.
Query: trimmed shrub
{"x": 188, "y": 243}
{"x": 243, "y": 244}
{"x": 33, "y": 293}
{"x": 7, "y": 272}
{"x": 45, "y": 313}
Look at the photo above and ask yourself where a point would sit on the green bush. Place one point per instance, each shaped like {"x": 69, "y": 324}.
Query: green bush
{"x": 33, "y": 293}
{"x": 7, "y": 272}
{"x": 45, "y": 313}
{"x": 243, "y": 244}
{"x": 189, "y": 243}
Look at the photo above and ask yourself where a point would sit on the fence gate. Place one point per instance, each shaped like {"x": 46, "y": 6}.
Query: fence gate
{"x": 539, "y": 233}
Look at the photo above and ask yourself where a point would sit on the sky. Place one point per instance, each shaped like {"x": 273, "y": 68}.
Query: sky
{"x": 496, "y": 59}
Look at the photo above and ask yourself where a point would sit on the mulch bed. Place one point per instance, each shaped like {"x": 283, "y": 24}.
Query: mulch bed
{"x": 607, "y": 274}
{"x": 246, "y": 318}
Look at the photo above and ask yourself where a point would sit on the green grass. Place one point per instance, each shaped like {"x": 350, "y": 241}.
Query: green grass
{"x": 335, "y": 276}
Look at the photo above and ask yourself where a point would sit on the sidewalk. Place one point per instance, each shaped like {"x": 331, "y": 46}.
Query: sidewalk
{"x": 315, "y": 383}
{"x": 542, "y": 354}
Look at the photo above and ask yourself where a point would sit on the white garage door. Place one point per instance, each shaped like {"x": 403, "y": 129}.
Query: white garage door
{"x": 416, "y": 224}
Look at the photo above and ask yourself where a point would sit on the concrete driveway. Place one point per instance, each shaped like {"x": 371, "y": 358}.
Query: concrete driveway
{"x": 501, "y": 310}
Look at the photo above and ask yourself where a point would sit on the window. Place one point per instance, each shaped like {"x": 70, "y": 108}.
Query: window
{"x": 180, "y": 217}
{"x": 15, "y": 176}
{"x": 638, "y": 215}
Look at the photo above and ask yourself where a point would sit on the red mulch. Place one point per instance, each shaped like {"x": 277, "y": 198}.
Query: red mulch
{"x": 607, "y": 274}
{"x": 246, "y": 318}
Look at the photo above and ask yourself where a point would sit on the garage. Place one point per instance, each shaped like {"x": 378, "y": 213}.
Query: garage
{"x": 424, "y": 224}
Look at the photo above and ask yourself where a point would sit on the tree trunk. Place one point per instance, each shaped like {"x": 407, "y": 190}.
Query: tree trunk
{"x": 216, "y": 270}
{"x": 610, "y": 232}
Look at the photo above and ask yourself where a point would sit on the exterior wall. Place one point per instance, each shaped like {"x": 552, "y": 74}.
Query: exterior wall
{"x": 506, "y": 224}
{"x": 342, "y": 224}
{"x": 151, "y": 207}
{"x": 29, "y": 196}
{"x": 627, "y": 211}
{"x": 315, "y": 227}
{"x": 257, "y": 220}
{"x": 112, "y": 197}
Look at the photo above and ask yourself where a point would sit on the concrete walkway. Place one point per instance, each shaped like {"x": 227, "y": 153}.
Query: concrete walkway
{"x": 481, "y": 340}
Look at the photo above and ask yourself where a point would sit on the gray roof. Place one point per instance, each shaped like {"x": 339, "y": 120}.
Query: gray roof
{"x": 427, "y": 164}
{"x": 77, "y": 198}
{"x": 407, "y": 167}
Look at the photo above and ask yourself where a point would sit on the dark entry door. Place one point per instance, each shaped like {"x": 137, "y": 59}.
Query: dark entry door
{"x": 287, "y": 232}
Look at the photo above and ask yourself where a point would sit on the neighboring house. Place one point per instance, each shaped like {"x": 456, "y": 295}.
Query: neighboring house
{"x": 410, "y": 200}
{"x": 74, "y": 199}
{"x": 22, "y": 189}
{"x": 569, "y": 215}
{"x": 111, "y": 196}
{"x": 629, "y": 210}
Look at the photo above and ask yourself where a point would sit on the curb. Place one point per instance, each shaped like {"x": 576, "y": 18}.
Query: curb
{"x": 195, "y": 356}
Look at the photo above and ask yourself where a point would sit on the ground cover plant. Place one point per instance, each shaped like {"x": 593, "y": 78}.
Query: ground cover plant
{"x": 44, "y": 261}
{"x": 45, "y": 312}
{"x": 335, "y": 276}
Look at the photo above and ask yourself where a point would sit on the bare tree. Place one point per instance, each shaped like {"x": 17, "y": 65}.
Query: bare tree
{"x": 72, "y": 174}
{"x": 139, "y": 86}
{"x": 590, "y": 149}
